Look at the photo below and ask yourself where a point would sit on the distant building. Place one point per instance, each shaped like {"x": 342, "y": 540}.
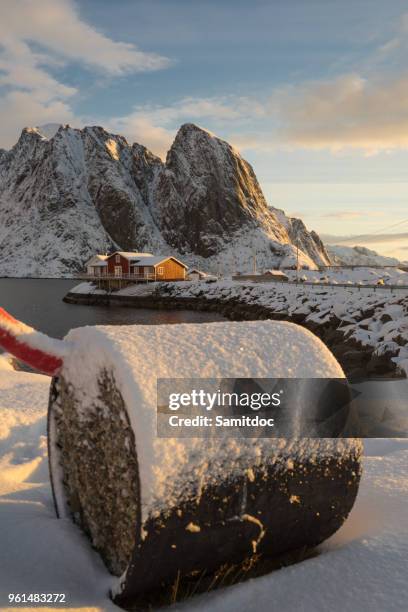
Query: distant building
{"x": 137, "y": 266}
{"x": 276, "y": 275}
{"x": 195, "y": 274}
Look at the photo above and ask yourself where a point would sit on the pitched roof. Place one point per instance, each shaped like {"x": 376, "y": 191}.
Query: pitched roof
{"x": 156, "y": 260}
{"x": 130, "y": 255}
{"x": 96, "y": 257}
{"x": 197, "y": 271}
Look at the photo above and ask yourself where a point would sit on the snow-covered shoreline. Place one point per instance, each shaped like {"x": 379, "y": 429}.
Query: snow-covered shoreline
{"x": 369, "y": 323}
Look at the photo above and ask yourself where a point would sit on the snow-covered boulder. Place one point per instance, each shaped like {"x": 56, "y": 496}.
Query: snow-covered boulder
{"x": 160, "y": 508}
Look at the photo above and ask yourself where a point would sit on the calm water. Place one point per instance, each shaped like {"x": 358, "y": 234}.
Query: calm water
{"x": 39, "y": 304}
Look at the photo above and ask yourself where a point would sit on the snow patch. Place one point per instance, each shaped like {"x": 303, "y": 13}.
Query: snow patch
{"x": 113, "y": 149}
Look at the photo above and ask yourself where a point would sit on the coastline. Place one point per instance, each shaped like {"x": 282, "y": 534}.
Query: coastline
{"x": 359, "y": 360}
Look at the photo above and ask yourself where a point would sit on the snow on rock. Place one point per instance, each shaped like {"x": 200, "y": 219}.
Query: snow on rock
{"x": 137, "y": 356}
{"x": 87, "y": 288}
{"x": 357, "y": 276}
{"x": 108, "y": 385}
{"x": 112, "y": 147}
{"x": 372, "y": 318}
{"x": 88, "y": 191}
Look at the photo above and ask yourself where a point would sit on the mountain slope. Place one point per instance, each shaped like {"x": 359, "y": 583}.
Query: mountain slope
{"x": 359, "y": 256}
{"x": 66, "y": 194}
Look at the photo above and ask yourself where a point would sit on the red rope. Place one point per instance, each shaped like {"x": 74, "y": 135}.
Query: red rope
{"x": 39, "y": 360}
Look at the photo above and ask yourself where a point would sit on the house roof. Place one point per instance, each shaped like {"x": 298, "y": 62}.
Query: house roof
{"x": 100, "y": 264}
{"x": 156, "y": 260}
{"x": 130, "y": 255}
{"x": 96, "y": 258}
{"x": 196, "y": 271}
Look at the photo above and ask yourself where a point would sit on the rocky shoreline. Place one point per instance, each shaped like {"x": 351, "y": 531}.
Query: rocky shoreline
{"x": 357, "y": 360}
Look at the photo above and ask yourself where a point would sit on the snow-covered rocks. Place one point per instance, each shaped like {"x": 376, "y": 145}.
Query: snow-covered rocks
{"x": 137, "y": 495}
{"x": 374, "y": 324}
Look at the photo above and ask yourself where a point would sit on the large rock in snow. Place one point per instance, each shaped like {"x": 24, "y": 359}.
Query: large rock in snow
{"x": 66, "y": 194}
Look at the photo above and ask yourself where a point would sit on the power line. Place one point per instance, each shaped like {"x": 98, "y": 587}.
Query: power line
{"x": 366, "y": 235}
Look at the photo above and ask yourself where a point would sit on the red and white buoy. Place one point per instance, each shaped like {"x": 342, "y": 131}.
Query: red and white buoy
{"x": 34, "y": 348}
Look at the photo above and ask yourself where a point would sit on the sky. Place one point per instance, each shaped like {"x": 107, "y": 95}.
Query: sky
{"x": 313, "y": 93}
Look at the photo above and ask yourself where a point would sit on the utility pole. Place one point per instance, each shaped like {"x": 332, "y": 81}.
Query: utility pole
{"x": 297, "y": 258}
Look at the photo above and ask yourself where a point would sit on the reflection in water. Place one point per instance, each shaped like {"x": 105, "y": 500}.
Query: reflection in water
{"x": 39, "y": 304}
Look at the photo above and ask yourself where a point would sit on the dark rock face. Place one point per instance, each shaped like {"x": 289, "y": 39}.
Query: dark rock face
{"x": 208, "y": 192}
{"x": 65, "y": 197}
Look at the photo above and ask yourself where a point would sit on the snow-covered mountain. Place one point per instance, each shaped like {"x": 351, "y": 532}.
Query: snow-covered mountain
{"x": 66, "y": 194}
{"x": 358, "y": 256}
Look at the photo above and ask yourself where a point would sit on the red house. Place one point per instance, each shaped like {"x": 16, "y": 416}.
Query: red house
{"x": 142, "y": 266}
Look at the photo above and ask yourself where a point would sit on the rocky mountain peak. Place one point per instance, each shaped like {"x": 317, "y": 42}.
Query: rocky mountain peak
{"x": 67, "y": 193}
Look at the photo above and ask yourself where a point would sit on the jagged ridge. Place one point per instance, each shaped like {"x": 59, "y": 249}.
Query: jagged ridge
{"x": 67, "y": 193}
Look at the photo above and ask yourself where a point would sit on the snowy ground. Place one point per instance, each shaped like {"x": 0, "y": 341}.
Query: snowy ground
{"x": 358, "y": 276}
{"x": 362, "y": 567}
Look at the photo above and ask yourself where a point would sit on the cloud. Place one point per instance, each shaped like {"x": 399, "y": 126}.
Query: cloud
{"x": 56, "y": 25}
{"x": 21, "y": 109}
{"x": 347, "y": 112}
{"x": 299, "y": 214}
{"x": 39, "y": 37}
{"x": 156, "y": 126}
{"x": 364, "y": 110}
{"x": 349, "y": 214}
{"x": 142, "y": 129}
{"x": 393, "y": 245}
{"x": 366, "y": 238}
{"x": 345, "y": 214}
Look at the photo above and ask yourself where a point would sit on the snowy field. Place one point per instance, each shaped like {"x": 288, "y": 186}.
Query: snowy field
{"x": 362, "y": 567}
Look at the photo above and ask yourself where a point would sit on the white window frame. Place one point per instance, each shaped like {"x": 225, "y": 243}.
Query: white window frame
{"x": 117, "y": 258}
{"x": 118, "y": 270}
{"x": 160, "y": 270}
